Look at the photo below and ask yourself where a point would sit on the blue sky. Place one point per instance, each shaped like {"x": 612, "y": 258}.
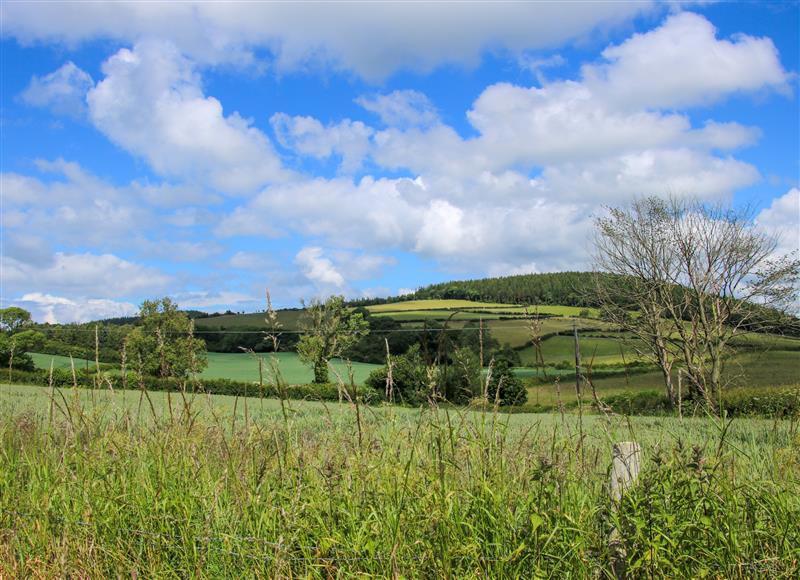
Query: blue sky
{"x": 208, "y": 151}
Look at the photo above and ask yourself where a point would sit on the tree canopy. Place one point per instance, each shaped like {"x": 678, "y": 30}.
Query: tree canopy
{"x": 164, "y": 344}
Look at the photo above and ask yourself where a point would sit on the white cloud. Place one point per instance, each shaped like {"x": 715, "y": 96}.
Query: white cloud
{"x": 85, "y": 274}
{"x": 682, "y": 63}
{"x": 520, "y": 194}
{"x": 782, "y": 219}
{"x": 57, "y": 309}
{"x": 306, "y": 135}
{"x": 373, "y": 40}
{"x": 401, "y": 108}
{"x": 26, "y": 247}
{"x": 503, "y": 220}
{"x": 84, "y": 209}
{"x": 678, "y": 171}
{"x": 63, "y": 91}
{"x": 206, "y": 300}
{"x": 319, "y": 269}
{"x": 252, "y": 261}
{"x": 333, "y": 270}
{"x": 151, "y": 103}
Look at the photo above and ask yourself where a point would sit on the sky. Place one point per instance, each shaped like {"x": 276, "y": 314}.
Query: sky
{"x": 209, "y": 151}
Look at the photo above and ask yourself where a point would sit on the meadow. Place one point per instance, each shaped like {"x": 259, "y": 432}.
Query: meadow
{"x": 151, "y": 485}
{"x": 237, "y": 367}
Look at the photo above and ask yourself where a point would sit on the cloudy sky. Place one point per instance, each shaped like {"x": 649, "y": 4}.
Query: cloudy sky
{"x": 207, "y": 151}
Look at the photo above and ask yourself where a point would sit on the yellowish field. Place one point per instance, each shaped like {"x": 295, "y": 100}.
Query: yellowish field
{"x": 435, "y": 305}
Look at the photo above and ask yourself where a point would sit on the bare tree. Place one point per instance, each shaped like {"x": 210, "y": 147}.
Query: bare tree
{"x": 633, "y": 244}
{"x": 731, "y": 283}
{"x": 697, "y": 276}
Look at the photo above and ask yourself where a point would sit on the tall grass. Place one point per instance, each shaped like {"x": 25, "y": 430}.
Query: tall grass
{"x": 181, "y": 486}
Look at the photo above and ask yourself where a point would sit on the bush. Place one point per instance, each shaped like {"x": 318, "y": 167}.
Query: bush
{"x": 762, "y": 402}
{"x": 512, "y": 390}
{"x": 409, "y": 377}
{"x": 770, "y": 402}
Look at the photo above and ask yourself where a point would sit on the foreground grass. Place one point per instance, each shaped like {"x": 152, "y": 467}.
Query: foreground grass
{"x": 111, "y": 484}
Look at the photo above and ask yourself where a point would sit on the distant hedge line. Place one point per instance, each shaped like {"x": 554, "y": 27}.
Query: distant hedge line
{"x": 755, "y": 402}
{"x": 740, "y": 402}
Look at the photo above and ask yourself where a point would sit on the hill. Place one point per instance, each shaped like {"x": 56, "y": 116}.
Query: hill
{"x": 556, "y": 288}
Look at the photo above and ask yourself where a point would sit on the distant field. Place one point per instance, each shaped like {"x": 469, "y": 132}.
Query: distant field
{"x": 42, "y": 361}
{"x": 517, "y": 334}
{"x": 243, "y": 367}
{"x": 767, "y": 341}
{"x": 479, "y": 308}
{"x": 545, "y": 309}
{"x": 604, "y": 350}
{"x": 288, "y": 318}
{"x": 435, "y": 305}
{"x": 235, "y": 366}
{"x": 413, "y": 310}
{"x": 440, "y": 315}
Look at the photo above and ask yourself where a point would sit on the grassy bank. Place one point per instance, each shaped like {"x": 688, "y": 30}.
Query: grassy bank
{"x": 164, "y": 487}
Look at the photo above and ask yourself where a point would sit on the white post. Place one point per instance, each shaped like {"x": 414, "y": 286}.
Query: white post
{"x": 625, "y": 467}
{"x": 624, "y": 471}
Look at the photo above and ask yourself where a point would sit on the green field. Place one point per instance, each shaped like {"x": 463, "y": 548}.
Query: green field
{"x": 102, "y": 484}
{"x": 288, "y": 318}
{"x": 238, "y": 367}
{"x": 746, "y": 370}
{"x": 244, "y": 367}
{"x": 43, "y": 361}
{"x": 438, "y": 315}
{"x": 435, "y": 305}
{"x": 477, "y": 308}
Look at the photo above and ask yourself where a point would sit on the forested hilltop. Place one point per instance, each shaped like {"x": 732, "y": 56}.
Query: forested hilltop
{"x": 557, "y": 288}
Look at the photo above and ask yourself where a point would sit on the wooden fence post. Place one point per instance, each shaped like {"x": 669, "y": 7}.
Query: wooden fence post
{"x": 627, "y": 458}
{"x": 624, "y": 467}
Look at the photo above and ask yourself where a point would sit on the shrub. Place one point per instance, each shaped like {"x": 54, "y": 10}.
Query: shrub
{"x": 512, "y": 391}
{"x": 409, "y": 377}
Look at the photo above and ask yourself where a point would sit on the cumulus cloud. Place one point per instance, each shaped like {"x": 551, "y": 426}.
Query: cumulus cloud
{"x": 406, "y": 214}
{"x": 57, "y": 309}
{"x": 782, "y": 219}
{"x": 84, "y": 274}
{"x": 306, "y": 135}
{"x": 334, "y": 270}
{"x": 212, "y": 300}
{"x": 62, "y": 91}
{"x": 517, "y": 196}
{"x": 406, "y": 108}
{"x": 319, "y": 269}
{"x": 151, "y": 103}
{"x": 373, "y": 40}
{"x": 86, "y": 209}
{"x": 683, "y": 63}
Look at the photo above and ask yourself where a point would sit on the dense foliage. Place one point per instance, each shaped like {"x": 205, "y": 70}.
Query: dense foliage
{"x": 457, "y": 379}
{"x": 164, "y": 344}
{"x": 330, "y": 329}
{"x": 561, "y": 288}
{"x": 17, "y": 338}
